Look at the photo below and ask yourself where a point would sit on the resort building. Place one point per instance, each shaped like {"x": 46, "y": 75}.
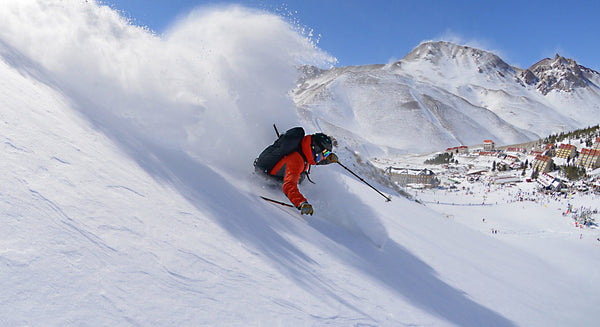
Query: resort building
{"x": 543, "y": 163}
{"x": 548, "y": 181}
{"x": 589, "y": 158}
{"x": 566, "y": 151}
{"x": 489, "y": 145}
{"x": 515, "y": 150}
{"x": 596, "y": 145}
{"x": 463, "y": 149}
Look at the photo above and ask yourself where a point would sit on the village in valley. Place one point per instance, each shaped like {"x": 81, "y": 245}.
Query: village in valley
{"x": 559, "y": 173}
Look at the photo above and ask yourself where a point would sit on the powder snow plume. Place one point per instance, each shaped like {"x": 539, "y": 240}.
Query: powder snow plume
{"x": 216, "y": 76}
{"x": 204, "y": 93}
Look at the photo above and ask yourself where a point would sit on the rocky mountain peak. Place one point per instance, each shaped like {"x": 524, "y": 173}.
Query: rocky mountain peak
{"x": 559, "y": 73}
{"x": 462, "y": 56}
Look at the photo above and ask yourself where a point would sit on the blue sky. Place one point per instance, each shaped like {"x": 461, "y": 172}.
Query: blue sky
{"x": 378, "y": 31}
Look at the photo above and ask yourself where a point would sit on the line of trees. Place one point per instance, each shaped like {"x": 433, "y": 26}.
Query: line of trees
{"x": 589, "y": 134}
{"x": 441, "y": 159}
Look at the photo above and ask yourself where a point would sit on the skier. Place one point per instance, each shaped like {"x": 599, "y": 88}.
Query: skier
{"x": 291, "y": 168}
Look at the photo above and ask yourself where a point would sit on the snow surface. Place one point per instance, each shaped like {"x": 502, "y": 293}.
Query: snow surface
{"x": 127, "y": 196}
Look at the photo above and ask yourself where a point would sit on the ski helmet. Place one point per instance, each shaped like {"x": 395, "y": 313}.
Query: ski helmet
{"x": 321, "y": 142}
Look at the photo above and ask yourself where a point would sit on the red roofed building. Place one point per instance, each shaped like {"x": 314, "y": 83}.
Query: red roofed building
{"x": 596, "y": 145}
{"x": 458, "y": 149}
{"x": 589, "y": 158}
{"x": 548, "y": 181}
{"x": 488, "y": 153}
{"x": 516, "y": 150}
{"x": 566, "y": 151}
{"x": 543, "y": 163}
{"x": 489, "y": 145}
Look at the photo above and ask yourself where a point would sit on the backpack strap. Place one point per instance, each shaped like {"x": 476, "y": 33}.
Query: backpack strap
{"x": 299, "y": 150}
{"x": 308, "y": 175}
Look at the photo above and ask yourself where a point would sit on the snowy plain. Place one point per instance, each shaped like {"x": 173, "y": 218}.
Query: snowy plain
{"x": 127, "y": 196}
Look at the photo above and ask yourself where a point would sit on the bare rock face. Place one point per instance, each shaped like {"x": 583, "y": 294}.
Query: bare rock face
{"x": 557, "y": 74}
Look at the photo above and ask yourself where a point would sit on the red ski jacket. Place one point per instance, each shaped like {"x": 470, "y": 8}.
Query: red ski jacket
{"x": 291, "y": 167}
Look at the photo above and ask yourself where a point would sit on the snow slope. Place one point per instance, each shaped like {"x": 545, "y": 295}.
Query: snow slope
{"x": 127, "y": 199}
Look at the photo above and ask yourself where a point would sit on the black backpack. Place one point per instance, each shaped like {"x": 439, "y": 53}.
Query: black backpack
{"x": 288, "y": 142}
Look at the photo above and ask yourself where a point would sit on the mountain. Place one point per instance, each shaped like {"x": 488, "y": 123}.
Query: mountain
{"x": 450, "y": 95}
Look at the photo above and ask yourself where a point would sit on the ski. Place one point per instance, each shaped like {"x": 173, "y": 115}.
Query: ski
{"x": 284, "y": 207}
{"x": 275, "y": 201}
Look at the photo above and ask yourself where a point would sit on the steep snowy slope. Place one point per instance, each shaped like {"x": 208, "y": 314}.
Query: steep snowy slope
{"x": 127, "y": 198}
{"x": 95, "y": 232}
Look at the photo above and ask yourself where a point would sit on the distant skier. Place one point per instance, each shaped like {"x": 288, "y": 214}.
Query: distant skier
{"x": 288, "y": 160}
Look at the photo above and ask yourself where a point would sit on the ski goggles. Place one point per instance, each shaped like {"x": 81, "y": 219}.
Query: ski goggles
{"x": 323, "y": 155}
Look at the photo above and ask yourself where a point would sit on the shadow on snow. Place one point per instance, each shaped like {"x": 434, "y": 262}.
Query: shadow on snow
{"x": 247, "y": 220}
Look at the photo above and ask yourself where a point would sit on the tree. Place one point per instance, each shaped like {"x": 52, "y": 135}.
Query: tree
{"x": 573, "y": 172}
{"x": 535, "y": 174}
{"x": 442, "y": 158}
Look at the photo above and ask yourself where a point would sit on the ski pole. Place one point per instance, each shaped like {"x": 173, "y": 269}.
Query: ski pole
{"x": 278, "y": 202}
{"x": 387, "y": 198}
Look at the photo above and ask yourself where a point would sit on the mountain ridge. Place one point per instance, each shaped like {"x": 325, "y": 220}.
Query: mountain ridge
{"x": 452, "y": 95}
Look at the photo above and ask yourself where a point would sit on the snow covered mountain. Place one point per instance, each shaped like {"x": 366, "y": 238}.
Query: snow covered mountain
{"x": 451, "y": 95}
{"x": 127, "y": 196}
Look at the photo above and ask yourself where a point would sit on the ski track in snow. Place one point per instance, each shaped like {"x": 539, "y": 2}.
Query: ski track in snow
{"x": 71, "y": 224}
